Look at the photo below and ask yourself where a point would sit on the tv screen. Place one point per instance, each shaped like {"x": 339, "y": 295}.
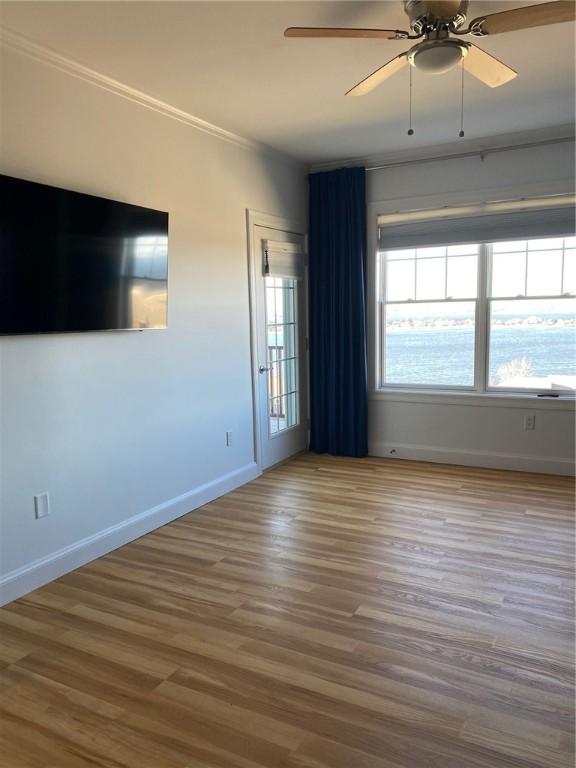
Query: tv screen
{"x": 71, "y": 262}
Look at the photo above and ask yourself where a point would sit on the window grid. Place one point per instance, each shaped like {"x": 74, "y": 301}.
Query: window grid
{"x": 483, "y": 300}
{"x": 447, "y": 258}
{"x": 282, "y": 354}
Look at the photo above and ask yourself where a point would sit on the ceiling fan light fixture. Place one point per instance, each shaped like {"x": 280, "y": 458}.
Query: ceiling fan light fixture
{"x": 437, "y": 56}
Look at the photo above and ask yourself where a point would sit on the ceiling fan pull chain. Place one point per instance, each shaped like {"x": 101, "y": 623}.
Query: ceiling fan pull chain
{"x": 461, "y": 134}
{"x": 410, "y": 129}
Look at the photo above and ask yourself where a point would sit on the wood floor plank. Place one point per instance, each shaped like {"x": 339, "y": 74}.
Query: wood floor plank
{"x": 334, "y": 613}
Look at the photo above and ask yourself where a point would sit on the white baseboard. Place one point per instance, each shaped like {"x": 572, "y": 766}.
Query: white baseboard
{"x": 23, "y": 580}
{"x": 549, "y": 466}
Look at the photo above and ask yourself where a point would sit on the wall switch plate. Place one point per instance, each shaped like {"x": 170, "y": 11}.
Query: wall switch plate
{"x": 41, "y": 505}
{"x": 228, "y": 438}
{"x": 529, "y": 422}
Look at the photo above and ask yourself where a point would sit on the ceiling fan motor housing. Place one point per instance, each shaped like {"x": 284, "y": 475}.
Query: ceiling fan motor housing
{"x": 427, "y": 14}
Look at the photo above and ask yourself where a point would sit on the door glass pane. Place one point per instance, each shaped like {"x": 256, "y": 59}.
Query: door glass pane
{"x": 430, "y": 344}
{"x": 533, "y": 344}
{"x": 274, "y": 380}
{"x": 281, "y": 317}
{"x": 287, "y": 375}
{"x": 272, "y": 354}
{"x": 288, "y": 306}
{"x": 287, "y": 340}
{"x": 291, "y": 410}
{"x": 273, "y": 414}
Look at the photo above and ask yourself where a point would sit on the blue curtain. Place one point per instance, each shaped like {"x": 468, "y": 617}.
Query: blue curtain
{"x": 338, "y": 375}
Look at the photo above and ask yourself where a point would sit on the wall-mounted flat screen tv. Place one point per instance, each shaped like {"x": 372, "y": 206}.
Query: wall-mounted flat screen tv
{"x": 71, "y": 262}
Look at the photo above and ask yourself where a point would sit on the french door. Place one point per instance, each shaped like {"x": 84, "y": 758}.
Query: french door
{"x": 279, "y": 343}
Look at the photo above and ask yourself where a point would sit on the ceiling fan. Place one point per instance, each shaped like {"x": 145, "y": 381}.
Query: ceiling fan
{"x": 441, "y": 23}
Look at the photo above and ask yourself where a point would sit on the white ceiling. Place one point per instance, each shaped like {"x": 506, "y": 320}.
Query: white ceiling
{"x": 228, "y": 63}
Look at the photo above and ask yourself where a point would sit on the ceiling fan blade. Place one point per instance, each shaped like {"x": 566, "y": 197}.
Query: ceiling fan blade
{"x": 487, "y": 68}
{"x": 386, "y": 34}
{"x": 378, "y": 77}
{"x": 524, "y": 18}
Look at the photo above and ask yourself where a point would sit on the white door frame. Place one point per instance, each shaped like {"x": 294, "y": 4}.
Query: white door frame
{"x": 293, "y": 226}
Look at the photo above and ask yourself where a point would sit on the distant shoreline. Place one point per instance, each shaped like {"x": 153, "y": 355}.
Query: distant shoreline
{"x": 530, "y": 323}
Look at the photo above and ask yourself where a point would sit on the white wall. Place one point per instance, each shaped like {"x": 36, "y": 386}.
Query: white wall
{"x": 125, "y": 424}
{"x": 476, "y": 431}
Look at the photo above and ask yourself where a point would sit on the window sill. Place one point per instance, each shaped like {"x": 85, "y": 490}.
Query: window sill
{"x": 485, "y": 399}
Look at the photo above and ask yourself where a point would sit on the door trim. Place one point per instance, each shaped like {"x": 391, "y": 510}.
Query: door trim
{"x": 295, "y": 227}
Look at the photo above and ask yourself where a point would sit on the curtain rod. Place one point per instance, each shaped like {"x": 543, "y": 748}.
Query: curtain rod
{"x": 476, "y": 153}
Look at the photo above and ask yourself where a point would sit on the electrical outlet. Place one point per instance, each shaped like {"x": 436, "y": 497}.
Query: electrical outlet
{"x": 41, "y": 505}
{"x": 228, "y": 438}
{"x": 529, "y": 422}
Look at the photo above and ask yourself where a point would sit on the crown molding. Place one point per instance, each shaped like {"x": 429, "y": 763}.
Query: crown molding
{"x": 14, "y": 41}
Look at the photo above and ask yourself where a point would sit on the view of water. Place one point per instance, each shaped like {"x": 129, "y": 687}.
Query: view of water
{"x": 444, "y": 355}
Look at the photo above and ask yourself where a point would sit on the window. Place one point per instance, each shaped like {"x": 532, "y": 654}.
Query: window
{"x": 499, "y": 316}
{"x": 531, "y": 317}
{"x": 282, "y": 354}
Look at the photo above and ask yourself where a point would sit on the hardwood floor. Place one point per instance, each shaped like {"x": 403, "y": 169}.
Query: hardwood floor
{"x": 335, "y": 613}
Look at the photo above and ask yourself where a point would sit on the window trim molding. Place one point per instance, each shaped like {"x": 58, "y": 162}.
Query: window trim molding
{"x": 526, "y": 400}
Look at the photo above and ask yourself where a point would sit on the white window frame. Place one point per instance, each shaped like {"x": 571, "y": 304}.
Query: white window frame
{"x": 481, "y": 385}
